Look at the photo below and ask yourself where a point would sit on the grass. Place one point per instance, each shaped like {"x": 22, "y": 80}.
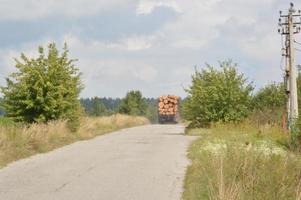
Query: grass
{"x": 242, "y": 162}
{"x": 19, "y": 141}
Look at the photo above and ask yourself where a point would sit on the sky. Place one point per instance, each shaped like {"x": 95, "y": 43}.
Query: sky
{"x": 149, "y": 45}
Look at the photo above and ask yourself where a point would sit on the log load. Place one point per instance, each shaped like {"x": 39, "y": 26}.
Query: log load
{"x": 168, "y": 105}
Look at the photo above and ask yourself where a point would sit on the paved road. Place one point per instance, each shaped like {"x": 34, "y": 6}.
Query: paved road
{"x": 142, "y": 163}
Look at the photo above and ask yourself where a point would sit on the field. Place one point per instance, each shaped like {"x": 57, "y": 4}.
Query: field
{"x": 242, "y": 162}
{"x": 19, "y": 141}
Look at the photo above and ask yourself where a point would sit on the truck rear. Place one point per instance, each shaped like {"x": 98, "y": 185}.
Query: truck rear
{"x": 168, "y": 109}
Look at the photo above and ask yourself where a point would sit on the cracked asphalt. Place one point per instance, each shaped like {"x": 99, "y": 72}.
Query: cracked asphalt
{"x": 141, "y": 163}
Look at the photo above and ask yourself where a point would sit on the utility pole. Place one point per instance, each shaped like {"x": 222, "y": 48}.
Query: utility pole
{"x": 289, "y": 26}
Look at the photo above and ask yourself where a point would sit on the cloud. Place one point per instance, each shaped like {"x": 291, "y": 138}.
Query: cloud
{"x": 34, "y": 9}
{"x": 147, "y": 7}
{"x": 151, "y": 45}
{"x": 133, "y": 43}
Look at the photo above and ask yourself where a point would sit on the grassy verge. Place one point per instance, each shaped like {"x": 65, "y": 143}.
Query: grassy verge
{"x": 19, "y": 141}
{"x": 241, "y": 162}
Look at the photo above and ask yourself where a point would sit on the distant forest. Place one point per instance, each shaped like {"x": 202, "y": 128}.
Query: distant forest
{"x": 110, "y": 104}
{"x": 97, "y": 106}
{"x": 1, "y": 109}
{"x": 107, "y": 106}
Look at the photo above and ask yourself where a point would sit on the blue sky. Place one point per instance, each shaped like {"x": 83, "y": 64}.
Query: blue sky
{"x": 149, "y": 45}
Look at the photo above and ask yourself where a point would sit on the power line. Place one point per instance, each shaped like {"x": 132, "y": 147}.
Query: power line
{"x": 281, "y": 64}
{"x": 282, "y": 57}
{"x": 297, "y": 42}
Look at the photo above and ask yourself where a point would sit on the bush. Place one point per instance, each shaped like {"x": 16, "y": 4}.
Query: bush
{"x": 133, "y": 104}
{"x": 270, "y": 97}
{"x": 217, "y": 95}
{"x": 4, "y": 121}
{"x": 268, "y": 104}
{"x": 242, "y": 162}
{"x": 43, "y": 89}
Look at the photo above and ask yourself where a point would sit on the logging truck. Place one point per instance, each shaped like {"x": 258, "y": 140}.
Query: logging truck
{"x": 168, "y": 109}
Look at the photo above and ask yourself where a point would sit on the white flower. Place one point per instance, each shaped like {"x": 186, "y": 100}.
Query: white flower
{"x": 265, "y": 148}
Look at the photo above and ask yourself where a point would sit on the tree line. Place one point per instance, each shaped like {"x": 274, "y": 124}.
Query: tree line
{"x": 224, "y": 95}
{"x": 132, "y": 104}
{"x": 47, "y": 88}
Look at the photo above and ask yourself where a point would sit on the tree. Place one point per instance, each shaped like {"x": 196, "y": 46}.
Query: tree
{"x": 133, "y": 104}
{"x": 268, "y": 104}
{"x": 110, "y": 104}
{"x": 270, "y": 97}
{"x": 217, "y": 95}
{"x": 98, "y": 108}
{"x": 1, "y": 108}
{"x": 151, "y": 110}
{"x": 44, "y": 88}
{"x": 299, "y": 89}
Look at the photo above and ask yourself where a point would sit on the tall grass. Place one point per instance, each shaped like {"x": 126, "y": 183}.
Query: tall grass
{"x": 242, "y": 162}
{"x": 19, "y": 141}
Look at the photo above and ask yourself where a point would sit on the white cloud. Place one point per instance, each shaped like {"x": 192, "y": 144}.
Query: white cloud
{"x": 131, "y": 43}
{"x": 161, "y": 61}
{"x": 34, "y": 9}
{"x": 147, "y": 7}
{"x": 196, "y": 26}
{"x": 134, "y": 43}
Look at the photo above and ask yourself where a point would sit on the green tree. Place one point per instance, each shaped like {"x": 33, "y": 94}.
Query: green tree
{"x": 217, "y": 95}
{"x": 271, "y": 97}
{"x": 299, "y": 89}
{"x": 152, "y": 110}
{"x": 133, "y": 104}
{"x": 1, "y": 107}
{"x": 44, "y": 88}
{"x": 98, "y": 108}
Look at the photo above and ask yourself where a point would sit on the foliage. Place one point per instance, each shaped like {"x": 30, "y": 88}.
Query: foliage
{"x": 217, "y": 95}
{"x": 44, "y": 89}
{"x": 111, "y": 104}
{"x": 133, "y": 104}
{"x": 151, "y": 110}
{"x": 22, "y": 140}
{"x": 94, "y": 107}
{"x": 4, "y": 121}
{"x": 2, "y": 112}
{"x": 268, "y": 104}
{"x": 99, "y": 108}
{"x": 295, "y": 128}
{"x": 240, "y": 161}
{"x": 270, "y": 97}
{"x": 295, "y": 136}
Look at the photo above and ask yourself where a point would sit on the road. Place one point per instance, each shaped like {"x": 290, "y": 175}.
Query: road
{"x": 141, "y": 163}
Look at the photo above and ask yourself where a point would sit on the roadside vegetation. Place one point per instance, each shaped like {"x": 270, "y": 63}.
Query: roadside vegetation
{"x": 40, "y": 109}
{"x": 44, "y": 89}
{"x": 19, "y": 140}
{"x": 242, "y": 162}
{"x": 130, "y": 105}
{"x": 244, "y": 150}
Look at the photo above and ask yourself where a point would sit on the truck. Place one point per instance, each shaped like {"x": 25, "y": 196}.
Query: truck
{"x": 168, "y": 109}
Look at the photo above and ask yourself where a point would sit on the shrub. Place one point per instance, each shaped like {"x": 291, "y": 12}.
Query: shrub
{"x": 133, "y": 104}
{"x": 43, "y": 89}
{"x": 270, "y": 97}
{"x": 217, "y": 95}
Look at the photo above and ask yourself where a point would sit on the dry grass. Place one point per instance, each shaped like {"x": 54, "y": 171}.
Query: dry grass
{"x": 19, "y": 141}
{"x": 242, "y": 162}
